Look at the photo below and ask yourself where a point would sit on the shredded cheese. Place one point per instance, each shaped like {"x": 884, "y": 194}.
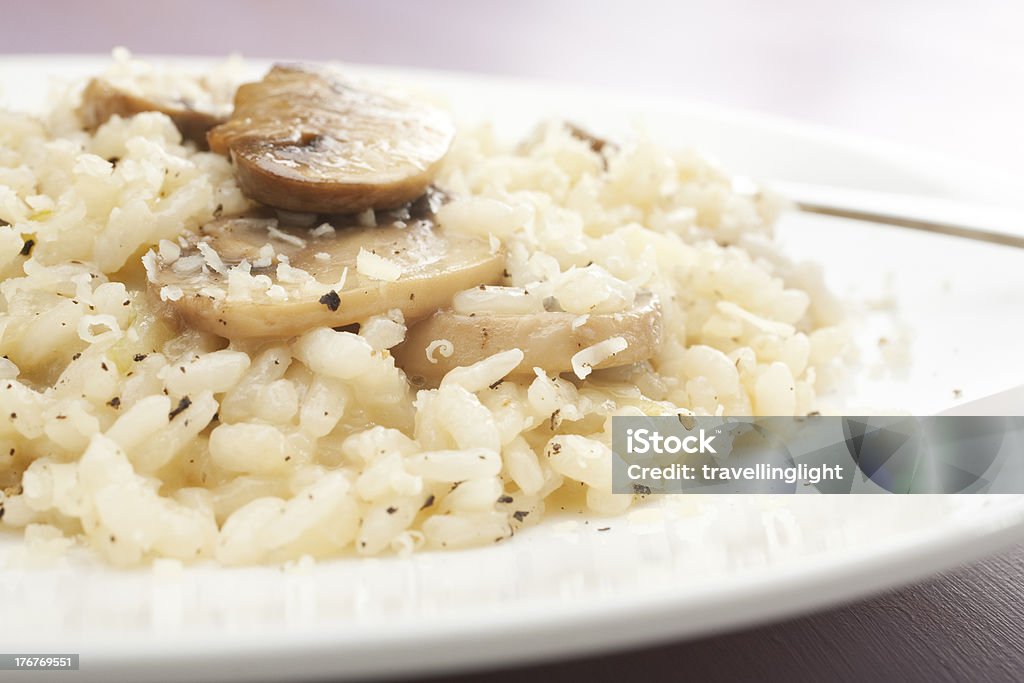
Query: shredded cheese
{"x": 442, "y": 346}
{"x": 377, "y": 267}
{"x": 583, "y": 362}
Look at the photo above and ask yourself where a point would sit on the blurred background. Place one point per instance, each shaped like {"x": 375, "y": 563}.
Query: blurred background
{"x": 939, "y": 74}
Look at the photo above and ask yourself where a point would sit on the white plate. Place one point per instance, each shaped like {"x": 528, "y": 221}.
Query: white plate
{"x": 683, "y": 567}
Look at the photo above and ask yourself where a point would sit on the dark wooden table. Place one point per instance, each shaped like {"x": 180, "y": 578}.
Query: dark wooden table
{"x": 964, "y": 625}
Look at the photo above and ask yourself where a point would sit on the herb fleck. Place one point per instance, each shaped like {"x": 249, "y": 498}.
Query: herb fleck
{"x": 331, "y": 300}
{"x": 183, "y": 405}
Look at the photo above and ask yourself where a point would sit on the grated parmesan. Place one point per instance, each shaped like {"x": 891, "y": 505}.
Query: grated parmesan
{"x": 285, "y": 237}
{"x": 322, "y": 230}
{"x": 211, "y": 258}
{"x": 149, "y": 263}
{"x": 188, "y": 264}
{"x": 583, "y": 362}
{"x": 377, "y": 267}
{"x": 170, "y": 293}
{"x": 441, "y": 346}
{"x": 266, "y": 256}
{"x": 169, "y": 251}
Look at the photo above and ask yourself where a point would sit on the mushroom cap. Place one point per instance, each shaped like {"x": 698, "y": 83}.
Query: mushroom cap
{"x": 102, "y": 99}
{"x": 304, "y": 139}
{"x": 432, "y": 266}
{"x": 548, "y": 339}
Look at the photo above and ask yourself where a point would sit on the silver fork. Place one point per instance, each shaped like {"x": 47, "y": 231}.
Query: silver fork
{"x": 945, "y": 217}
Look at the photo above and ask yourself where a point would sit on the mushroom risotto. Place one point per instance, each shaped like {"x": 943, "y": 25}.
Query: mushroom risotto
{"x": 305, "y": 316}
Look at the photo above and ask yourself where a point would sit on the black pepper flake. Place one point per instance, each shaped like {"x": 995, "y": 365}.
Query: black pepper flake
{"x": 505, "y": 499}
{"x": 62, "y": 417}
{"x": 183, "y": 405}
{"x": 331, "y": 300}
{"x": 604, "y": 528}
{"x": 556, "y": 447}
{"x": 428, "y": 502}
{"x": 114, "y": 402}
{"x": 520, "y": 515}
{"x": 103, "y": 366}
{"x": 26, "y": 248}
{"x": 139, "y": 357}
{"x": 641, "y": 489}
{"x": 505, "y": 273}
{"x": 14, "y": 416}
{"x": 216, "y": 418}
{"x": 1, "y": 511}
{"x": 392, "y": 510}
{"x": 554, "y": 419}
{"x": 412, "y": 296}
{"x": 497, "y": 384}
{"x": 76, "y": 356}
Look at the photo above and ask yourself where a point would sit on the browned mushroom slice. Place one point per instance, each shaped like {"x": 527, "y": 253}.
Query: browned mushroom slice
{"x": 304, "y": 139}
{"x": 554, "y": 341}
{"x": 101, "y": 99}
{"x": 229, "y": 279}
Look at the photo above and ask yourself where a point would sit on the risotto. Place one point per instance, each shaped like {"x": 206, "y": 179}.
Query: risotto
{"x": 190, "y": 374}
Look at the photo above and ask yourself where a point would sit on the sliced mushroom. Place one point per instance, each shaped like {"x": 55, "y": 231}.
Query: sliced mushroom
{"x": 597, "y": 144}
{"x": 304, "y": 139}
{"x": 548, "y": 339}
{"x": 102, "y": 99}
{"x": 337, "y": 281}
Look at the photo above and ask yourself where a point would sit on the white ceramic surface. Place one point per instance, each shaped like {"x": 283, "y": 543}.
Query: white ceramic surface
{"x": 680, "y": 567}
